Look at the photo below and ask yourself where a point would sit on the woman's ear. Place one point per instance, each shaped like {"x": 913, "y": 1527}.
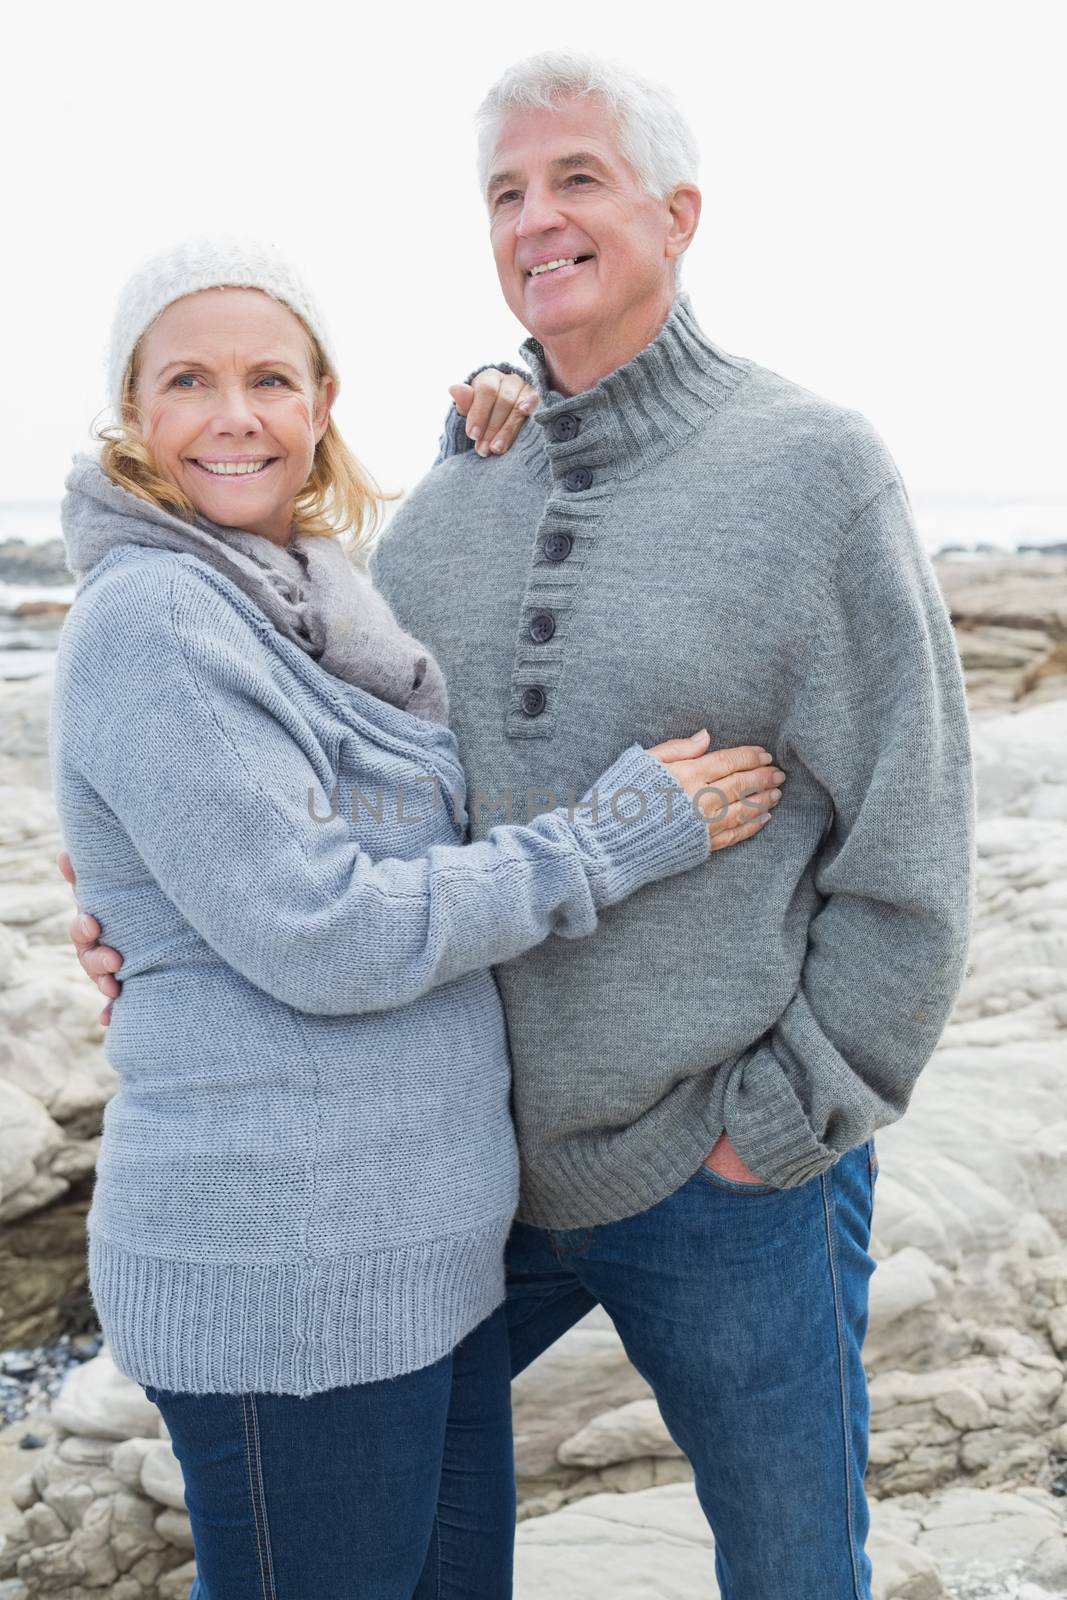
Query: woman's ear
{"x": 324, "y": 401}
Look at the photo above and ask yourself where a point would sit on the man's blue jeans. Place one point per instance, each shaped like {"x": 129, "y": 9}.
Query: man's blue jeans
{"x": 745, "y": 1309}
{"x": 352, "y": 1494}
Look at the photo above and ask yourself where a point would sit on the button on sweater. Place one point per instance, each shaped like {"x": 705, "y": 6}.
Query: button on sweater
{"x": 741, "y": 554}
{"x": 308, "y": 1170}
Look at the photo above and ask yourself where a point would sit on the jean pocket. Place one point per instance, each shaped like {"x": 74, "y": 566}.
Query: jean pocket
{"x": 733, "y": 1185}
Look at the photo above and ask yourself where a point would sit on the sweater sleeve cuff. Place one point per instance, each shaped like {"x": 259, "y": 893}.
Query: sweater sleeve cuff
{"x": 767, "y": 1125}
{"x": 642, "y": 826}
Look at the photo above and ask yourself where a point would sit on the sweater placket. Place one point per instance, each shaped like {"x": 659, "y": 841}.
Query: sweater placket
{"x": 580, "y": 473}
{"x": 582, "y": 448}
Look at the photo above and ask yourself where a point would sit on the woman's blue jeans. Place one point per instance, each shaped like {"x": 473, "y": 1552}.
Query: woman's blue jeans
{"x": 400, "y": 1490}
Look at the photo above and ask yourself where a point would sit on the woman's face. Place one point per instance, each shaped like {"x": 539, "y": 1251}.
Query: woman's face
{"x": 231, "y": 412}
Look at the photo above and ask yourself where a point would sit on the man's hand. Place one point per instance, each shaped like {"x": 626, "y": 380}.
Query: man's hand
{"x": 725, "y": 1160}
{"x": 495, "y": 404}
{"x": 98, "y": 960}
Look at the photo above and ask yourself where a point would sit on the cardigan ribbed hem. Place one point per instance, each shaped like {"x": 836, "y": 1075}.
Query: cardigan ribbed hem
{"x": 297, "y": 1327}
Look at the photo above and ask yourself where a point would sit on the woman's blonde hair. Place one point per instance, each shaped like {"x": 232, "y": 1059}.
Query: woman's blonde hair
{"x": 339, "y": 497}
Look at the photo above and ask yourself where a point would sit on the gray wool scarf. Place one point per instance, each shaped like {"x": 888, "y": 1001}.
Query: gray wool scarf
{"x": 310, "y": 591}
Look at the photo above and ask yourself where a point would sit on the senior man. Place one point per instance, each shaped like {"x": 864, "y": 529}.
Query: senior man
{"x": 679, "y": 538}
{"x": 683, "y": 538}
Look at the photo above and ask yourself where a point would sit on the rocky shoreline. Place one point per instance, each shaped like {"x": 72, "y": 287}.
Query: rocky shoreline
{"x": 25, "y": 564}
{"x": 968, "y": 1338}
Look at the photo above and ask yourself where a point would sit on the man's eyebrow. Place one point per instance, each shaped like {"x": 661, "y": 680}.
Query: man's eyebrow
{"x": 581, "y": 158}
{"x": 500, "y": 180}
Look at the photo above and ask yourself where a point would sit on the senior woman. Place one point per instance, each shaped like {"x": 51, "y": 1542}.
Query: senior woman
{"x": 308, "y": 1170}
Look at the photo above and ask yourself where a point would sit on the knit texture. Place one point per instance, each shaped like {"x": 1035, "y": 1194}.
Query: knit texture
{"x": 209, "y": 261}
{"x": 313, "y": 591}
{"x": 308, "y": 1170}
{"x": 698, "y": 541}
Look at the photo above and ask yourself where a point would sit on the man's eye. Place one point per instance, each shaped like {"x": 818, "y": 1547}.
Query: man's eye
{"x": 581, "y": 177}
{"x": 508, "y": 194}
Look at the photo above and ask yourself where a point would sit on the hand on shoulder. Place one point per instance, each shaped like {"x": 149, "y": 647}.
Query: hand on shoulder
{"x": 496, "y": 405}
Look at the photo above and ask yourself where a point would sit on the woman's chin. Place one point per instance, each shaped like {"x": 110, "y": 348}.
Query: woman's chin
{"x": 237, "y": 500}
{"x": 253, "y": 512}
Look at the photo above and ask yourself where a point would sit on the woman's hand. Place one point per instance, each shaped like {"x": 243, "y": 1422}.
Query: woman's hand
{"x": 495, "y": 404}
{"x": 743, "y": 783}
{"x": 743, "y": 780}
{"x": 98, "y": 960}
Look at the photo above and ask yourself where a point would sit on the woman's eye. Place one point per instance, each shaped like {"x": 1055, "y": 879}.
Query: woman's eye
{"x": 184, "y": 380}
{"x": 274, "y": 377}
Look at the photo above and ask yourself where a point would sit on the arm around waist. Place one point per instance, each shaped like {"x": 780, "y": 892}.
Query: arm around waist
{"x": 191, "y": 744}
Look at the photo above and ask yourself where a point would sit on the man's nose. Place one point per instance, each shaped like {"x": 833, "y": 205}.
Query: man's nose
{"x": 539, "y": 214}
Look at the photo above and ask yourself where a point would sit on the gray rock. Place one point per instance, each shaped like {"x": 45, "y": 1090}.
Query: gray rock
{"x": 161, "y": 1475}
{"x": 44, "y": 1525}
{"x": 24, "y": 1492}
{"x": 626, "y": 1434}
{"x": 644, "y": 1546}
{"x": 84, "y": 1450}
{"x": 127, "y": 1459}
{"x": 99, "y": 1400}
{"x": 178, "y": 1581}
{"x": 174, "y": 1527}
{"x": 648, "y": 1545}
{"x": 69, "y": 1500}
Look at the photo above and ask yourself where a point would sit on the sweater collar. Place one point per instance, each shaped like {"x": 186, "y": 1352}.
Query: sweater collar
{"x": 639, "y": 412}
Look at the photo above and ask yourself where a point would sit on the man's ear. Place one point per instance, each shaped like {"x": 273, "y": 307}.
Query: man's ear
{"x": 327, "y": 394}
{"x": 684, "y": 207}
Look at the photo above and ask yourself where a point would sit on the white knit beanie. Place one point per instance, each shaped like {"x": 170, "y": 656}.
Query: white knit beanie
{"x": 209, "y": 262}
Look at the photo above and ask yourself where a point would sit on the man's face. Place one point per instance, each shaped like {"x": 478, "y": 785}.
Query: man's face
{"x": 559, "y": 189}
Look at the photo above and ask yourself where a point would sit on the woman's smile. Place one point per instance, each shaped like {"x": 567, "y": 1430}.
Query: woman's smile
{"x": 235, "y": 469}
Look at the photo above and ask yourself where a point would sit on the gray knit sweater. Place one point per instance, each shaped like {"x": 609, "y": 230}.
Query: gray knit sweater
{"x": 696, "y": 540}
{"x": 308, "y": 1171}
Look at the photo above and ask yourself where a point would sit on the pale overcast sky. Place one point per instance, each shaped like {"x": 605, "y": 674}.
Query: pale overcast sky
{"x": 880, "y": 218}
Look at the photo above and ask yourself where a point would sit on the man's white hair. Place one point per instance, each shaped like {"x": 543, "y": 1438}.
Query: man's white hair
{"x": 653, "y": 134}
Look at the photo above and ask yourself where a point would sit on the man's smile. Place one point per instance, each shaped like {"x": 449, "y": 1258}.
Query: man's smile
{"x": 556, "y": 265}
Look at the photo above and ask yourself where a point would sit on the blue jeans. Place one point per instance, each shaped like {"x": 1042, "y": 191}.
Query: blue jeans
{"x": 745, "y": 1309}
{"x": 400, "y": 1490}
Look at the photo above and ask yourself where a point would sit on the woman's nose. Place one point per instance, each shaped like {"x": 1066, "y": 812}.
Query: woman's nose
{"x": 235, "y": 413}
